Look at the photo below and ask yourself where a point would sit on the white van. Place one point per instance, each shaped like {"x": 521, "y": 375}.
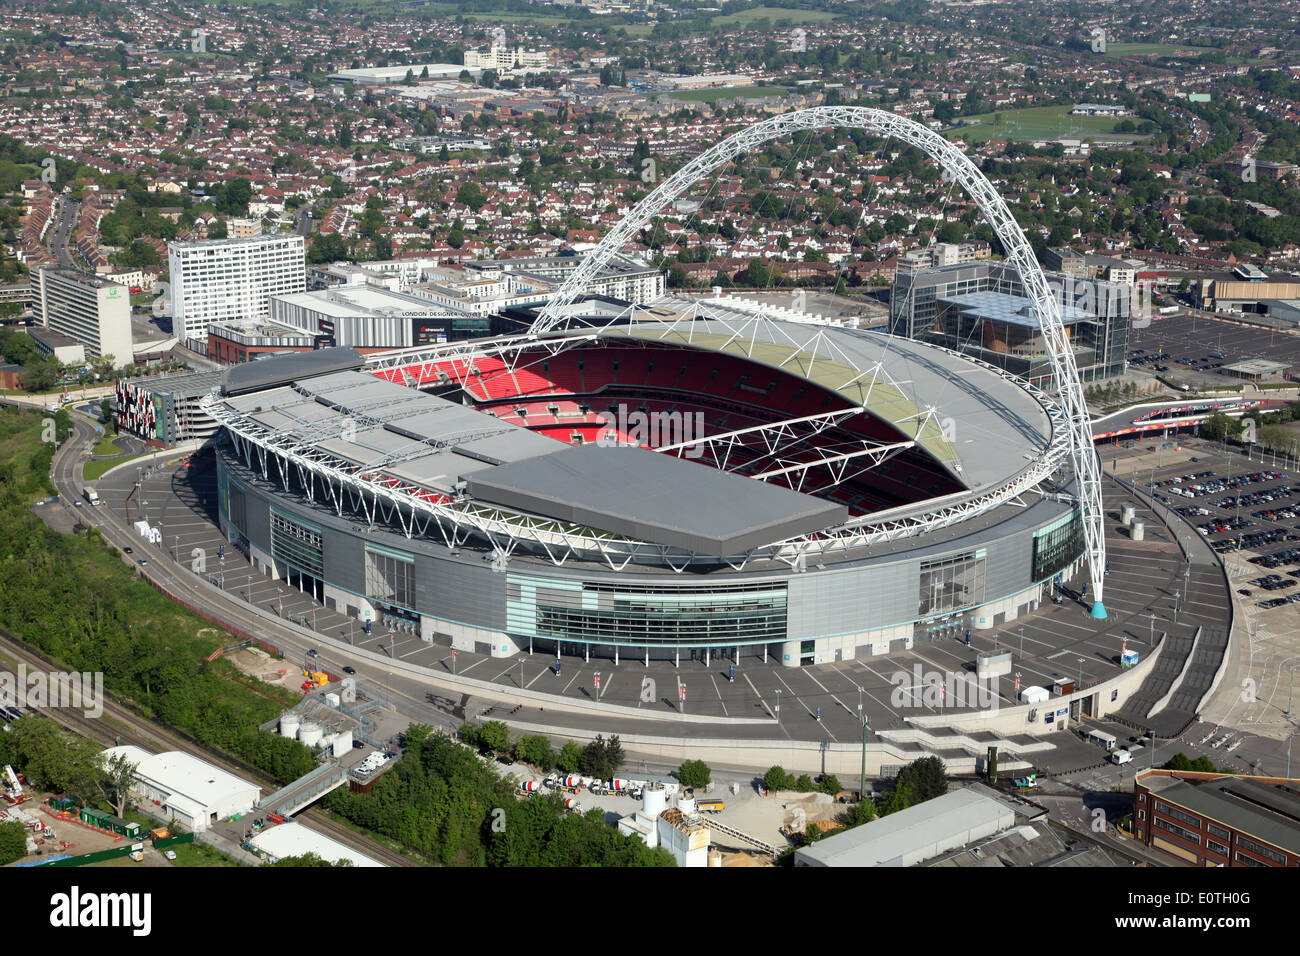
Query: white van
{"x": 1121, "y": 756}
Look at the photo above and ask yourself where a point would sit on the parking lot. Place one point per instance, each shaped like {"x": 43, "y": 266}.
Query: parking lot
{"x": 1247, "y": 721}
{"x": 1194, "y": 348}
{"x": 1243, "y": 515}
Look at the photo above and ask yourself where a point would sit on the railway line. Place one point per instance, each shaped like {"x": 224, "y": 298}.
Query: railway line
{"x": 66, "y": 469}
{"x": 124, "y": 726}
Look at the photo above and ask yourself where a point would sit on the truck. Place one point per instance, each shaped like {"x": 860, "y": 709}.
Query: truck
{"x": 1120, "y": 756}
{"x": 1025, "y": 783}
{"x": 91, "y": 495}
{"x": 711, "y": 806}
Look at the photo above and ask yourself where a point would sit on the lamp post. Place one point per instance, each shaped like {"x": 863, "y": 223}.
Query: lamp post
{"x": 862, "y": 775}
{"x": 1022, "y": 640}
{"x": 1177, "y": 599}
{"x": 778, "y": 705}
{"x": 1080, "y": 684}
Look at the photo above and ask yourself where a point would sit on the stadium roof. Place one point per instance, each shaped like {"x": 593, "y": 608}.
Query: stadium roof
{"x": 660, "y": 498}
{"x": 283, "y": 369}
{"x": 982, "y": 425}
{"x": 435, "y": 443}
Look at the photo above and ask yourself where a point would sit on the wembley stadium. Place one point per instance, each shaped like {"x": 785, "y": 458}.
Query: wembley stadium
{"x": 812, "y": 492}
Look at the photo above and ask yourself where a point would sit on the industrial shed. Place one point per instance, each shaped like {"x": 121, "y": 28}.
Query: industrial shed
{"x": 913, "y": 835}
{"x": 193, "y": 791}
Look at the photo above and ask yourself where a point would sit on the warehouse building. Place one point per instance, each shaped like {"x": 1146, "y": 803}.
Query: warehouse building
{"x": 914, "y": 835}
{"x": 194, "y": 792}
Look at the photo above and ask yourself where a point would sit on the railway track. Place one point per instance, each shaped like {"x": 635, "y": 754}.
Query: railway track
{"x": 124, "y": 726}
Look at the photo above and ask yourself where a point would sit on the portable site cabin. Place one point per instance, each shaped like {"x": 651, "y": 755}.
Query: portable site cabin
{"x": 1101, "y": 739}
{"x": 96, "y": 817}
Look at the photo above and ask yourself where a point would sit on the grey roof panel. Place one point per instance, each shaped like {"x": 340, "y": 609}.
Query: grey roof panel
{"x": 655, "y": 497}
{"x": 283, "y": 369}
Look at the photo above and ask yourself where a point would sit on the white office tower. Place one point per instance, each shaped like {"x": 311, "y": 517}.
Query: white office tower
{"x": 220, "y": 279}
{"x": 92, "y": 310}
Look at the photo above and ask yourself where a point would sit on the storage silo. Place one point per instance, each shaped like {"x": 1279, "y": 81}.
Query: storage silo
{"x": 1139, "y": 531}
{"x": 289, "y": 725}
{"x": 309, "y": 733}
{"x": 654, "y": 800}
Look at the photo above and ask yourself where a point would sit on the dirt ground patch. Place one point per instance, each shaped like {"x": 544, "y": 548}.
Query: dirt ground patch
{"x": 256, "y": 662}
{"x": 82, "y": 838}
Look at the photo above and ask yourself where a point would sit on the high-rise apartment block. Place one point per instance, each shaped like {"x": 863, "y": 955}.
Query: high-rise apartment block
{"x": 219, "y": 279}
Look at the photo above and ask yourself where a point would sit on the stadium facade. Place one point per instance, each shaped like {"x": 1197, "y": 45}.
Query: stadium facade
{"x": 816, "y": 493}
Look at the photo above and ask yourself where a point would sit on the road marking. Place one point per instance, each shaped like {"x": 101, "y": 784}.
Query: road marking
{"x": 719, "y": 693}
{"x": 762, "y": 703}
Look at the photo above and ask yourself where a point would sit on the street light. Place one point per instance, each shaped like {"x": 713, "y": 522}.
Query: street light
{"x": 1022, "y": 640}
{"x": 778, "y": 705}
{"x": 1080, "y": 684}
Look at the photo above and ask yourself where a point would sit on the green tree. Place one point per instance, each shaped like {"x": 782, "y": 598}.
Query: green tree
{"x": 495, "y": 736}
{"x": 858, "y": 814}
{"x": 900, "y": 798}
{"x": 926, "y": 778}
{"x": 118, "y": 774}
{"x": 13, "y": 842}
{"x": 471, "y": 194}
{"x": 536, "y": 750}
{"x": 829, "y": 783}
{"x": 602, "y": 758}
{"x": 569, "y": 759}
{"x": 55, "y": 760}
{"x": 694, "y": 773}
{"x": 307, "y": 859}
{"x": 777, "y": 778}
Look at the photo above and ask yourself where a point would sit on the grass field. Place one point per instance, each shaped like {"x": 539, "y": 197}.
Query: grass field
{"x": 1041, "y": 122}
{"x": 105, "y": 446}
{"x": 1140, "y": 49}
{"x": 96, "y": 469}
{"x": 199, "y": 854}
{"x": 728, "y": 93}
{"x": 775, "y": 14}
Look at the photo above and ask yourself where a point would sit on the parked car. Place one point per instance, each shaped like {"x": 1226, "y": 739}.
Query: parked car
{"x": 349, "y": 669}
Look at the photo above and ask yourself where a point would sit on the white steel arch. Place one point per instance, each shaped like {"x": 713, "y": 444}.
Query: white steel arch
{"x": 958, "y": 168}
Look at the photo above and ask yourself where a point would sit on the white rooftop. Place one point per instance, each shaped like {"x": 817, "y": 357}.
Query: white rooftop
{"x": 294, "y": 839}
{"x": 186, "y": 778}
